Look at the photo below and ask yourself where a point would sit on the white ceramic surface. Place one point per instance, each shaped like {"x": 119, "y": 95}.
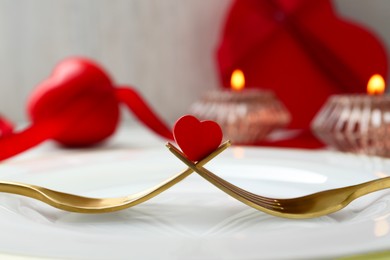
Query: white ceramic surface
{"x": 193, "y": 220}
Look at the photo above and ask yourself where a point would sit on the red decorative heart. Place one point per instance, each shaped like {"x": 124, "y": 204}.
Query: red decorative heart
{"x": 78, "y": 105}
{"x": 81, "y": 85}
{"x": 195, "y": 138}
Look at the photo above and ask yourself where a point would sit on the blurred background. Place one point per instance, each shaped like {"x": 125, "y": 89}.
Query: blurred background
{"x": 166, "y": 49}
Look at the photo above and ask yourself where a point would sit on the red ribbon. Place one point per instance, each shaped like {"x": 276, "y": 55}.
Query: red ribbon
{"x": 143, "y": 111}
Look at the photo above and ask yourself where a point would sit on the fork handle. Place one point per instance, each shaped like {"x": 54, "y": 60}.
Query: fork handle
{"x": 371, "y": 186}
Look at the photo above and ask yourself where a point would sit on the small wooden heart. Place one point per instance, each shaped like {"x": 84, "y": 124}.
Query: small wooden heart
{"x": 197, "y": 139}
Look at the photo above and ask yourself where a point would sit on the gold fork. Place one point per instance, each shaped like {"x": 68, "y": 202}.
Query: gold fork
{"x": 81, "y": 204}
{"x": 314, "y": 205}
{"x": 310, "y": 206}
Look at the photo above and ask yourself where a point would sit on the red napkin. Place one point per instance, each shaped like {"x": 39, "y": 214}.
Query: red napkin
{"x": 301, "y": 50}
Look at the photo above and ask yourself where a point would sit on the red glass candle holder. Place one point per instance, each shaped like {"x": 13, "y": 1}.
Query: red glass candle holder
{"x": 245, "y": 117}
{"x": 355, "y": 123}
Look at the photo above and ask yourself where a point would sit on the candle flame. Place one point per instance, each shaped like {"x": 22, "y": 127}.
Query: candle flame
{"x": 376, "y": 85}
{"x": 237, "y": 80}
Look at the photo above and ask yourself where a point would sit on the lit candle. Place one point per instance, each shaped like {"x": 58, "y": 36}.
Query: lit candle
{"x": 246, "y": 116}
{"x": 376, "y": 85}
{"x": 237, "y": 81}
{"x": 357, "y": 123}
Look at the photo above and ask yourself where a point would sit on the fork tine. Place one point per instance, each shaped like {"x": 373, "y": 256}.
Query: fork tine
{"x": 257, "y": 199}
{"x": 237, "y": 189}
{"x": 246, "y": 197}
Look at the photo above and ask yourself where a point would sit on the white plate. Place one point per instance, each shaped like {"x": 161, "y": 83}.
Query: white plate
{"x": 193, "y": 220}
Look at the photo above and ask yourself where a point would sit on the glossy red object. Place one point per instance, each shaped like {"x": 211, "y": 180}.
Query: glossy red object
{"x": 82, "y": 86}
{"x": 197, "y": 139}
{"x": 77, "y": 106}
{"x": 301, "y": 49}
{"x": 6, "y": 127}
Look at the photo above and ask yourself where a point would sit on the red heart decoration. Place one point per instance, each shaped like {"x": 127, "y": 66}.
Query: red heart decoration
{"x": 78, "y": 105}
{"x": 195, "y": 138}
{"x": 81, "y": 85}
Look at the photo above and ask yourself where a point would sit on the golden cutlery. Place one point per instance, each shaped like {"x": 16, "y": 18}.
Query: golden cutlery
{"x": 81, "y": 204}
{"x": 310, "y": 206}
